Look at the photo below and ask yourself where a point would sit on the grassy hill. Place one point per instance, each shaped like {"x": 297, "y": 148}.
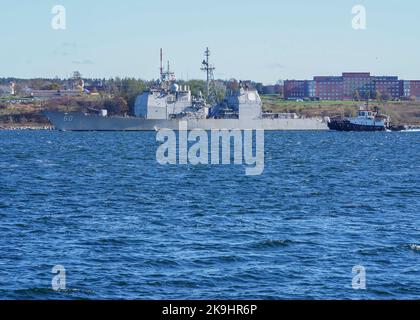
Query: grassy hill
{"x": 29, "y": 113}
{"x": 401, "y": 112}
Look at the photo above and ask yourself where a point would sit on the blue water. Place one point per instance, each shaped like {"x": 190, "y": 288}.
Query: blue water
{"x": 125, "y": 227}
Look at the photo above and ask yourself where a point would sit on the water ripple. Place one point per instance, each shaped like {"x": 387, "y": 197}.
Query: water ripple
{"x": 126, "y": 228}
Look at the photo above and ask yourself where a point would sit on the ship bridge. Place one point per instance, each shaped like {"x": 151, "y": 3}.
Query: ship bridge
{"x": 241, "y": 100}
{"x": 162, "y": 104}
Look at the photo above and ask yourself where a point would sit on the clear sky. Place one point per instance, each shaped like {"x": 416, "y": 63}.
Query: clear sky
{"x": 262, "y": 40}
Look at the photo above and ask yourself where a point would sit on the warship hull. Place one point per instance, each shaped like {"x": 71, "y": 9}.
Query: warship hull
{"x": 79, "y": 121}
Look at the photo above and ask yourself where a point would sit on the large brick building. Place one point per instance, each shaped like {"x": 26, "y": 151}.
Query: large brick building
{"x": 410, "y": 89}
{"x": 329, "y": 88}
{"x": 350, "y": 86}
{"x": 388, "y": 87}
{"x": 358, "y": 84}
{"x": 296, "y": 89}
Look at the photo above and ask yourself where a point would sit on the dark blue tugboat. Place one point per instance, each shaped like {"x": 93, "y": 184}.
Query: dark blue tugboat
{"x": 366, "y": 120}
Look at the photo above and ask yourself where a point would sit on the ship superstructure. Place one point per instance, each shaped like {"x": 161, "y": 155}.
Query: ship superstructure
{"x": 168, "y": 100}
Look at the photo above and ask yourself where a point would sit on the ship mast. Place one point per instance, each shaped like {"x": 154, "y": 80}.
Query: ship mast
{"x": 208, "y": 68}
{"x": 166, "y": 76}
{"x": 161, "y": 63}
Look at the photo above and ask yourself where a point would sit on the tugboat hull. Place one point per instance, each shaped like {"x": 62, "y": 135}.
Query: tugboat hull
{"x": 347, "y": 126}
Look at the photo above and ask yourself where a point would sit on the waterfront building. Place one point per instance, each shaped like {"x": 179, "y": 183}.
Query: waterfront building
{"x": 329, "y": 88}
{"x": 358, "y": 85}
{"x": 295, "y": 89}
{"x": 410, "y": 89}
{"x": 47, "y": 94}
{"x": 269, "y": 89}
{"x": 351, "y": 86}
{"x": 311, "y": 89}
{"x": 387, "y": 87}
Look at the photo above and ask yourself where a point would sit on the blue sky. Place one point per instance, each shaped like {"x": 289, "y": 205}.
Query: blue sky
{"x": 263, "y": 40}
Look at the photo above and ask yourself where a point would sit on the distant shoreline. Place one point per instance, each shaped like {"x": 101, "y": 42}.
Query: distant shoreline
{"x": 26, "y": 128}
{"x": 28, "y": 116}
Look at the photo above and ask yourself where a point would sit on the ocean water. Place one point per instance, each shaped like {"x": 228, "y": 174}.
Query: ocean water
{"x": 124, "y": 227}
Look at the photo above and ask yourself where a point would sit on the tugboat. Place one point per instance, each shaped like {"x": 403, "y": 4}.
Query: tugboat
{"x": 366, "y": 120}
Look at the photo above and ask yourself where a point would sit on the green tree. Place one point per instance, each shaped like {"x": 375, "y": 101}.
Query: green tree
{"x": 196, "y": 86}
{"x": 51, "y": 86}
{"x": 131, "y": 88}
{"x": 116, "y": 106}
{"x": 36, "y": 84}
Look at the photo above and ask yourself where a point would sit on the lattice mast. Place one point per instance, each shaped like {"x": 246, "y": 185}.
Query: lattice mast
{"x": 210, "y": 84}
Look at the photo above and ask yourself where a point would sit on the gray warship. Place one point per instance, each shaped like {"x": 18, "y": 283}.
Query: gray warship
{"x": 167, "y": 104}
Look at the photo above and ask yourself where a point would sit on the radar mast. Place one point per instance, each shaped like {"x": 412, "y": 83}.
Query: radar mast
{"x": 210, "y": 85}
{"x": 167, "y": 78}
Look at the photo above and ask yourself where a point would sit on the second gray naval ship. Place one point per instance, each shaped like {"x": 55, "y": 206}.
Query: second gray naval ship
{"x": 166, "y": 105}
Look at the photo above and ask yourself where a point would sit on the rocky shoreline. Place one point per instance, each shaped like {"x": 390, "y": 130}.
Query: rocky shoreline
{"x": 26, "y": 128}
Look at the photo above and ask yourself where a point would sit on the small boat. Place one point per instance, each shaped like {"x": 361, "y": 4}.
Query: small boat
{"x": 366, "y": 120}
